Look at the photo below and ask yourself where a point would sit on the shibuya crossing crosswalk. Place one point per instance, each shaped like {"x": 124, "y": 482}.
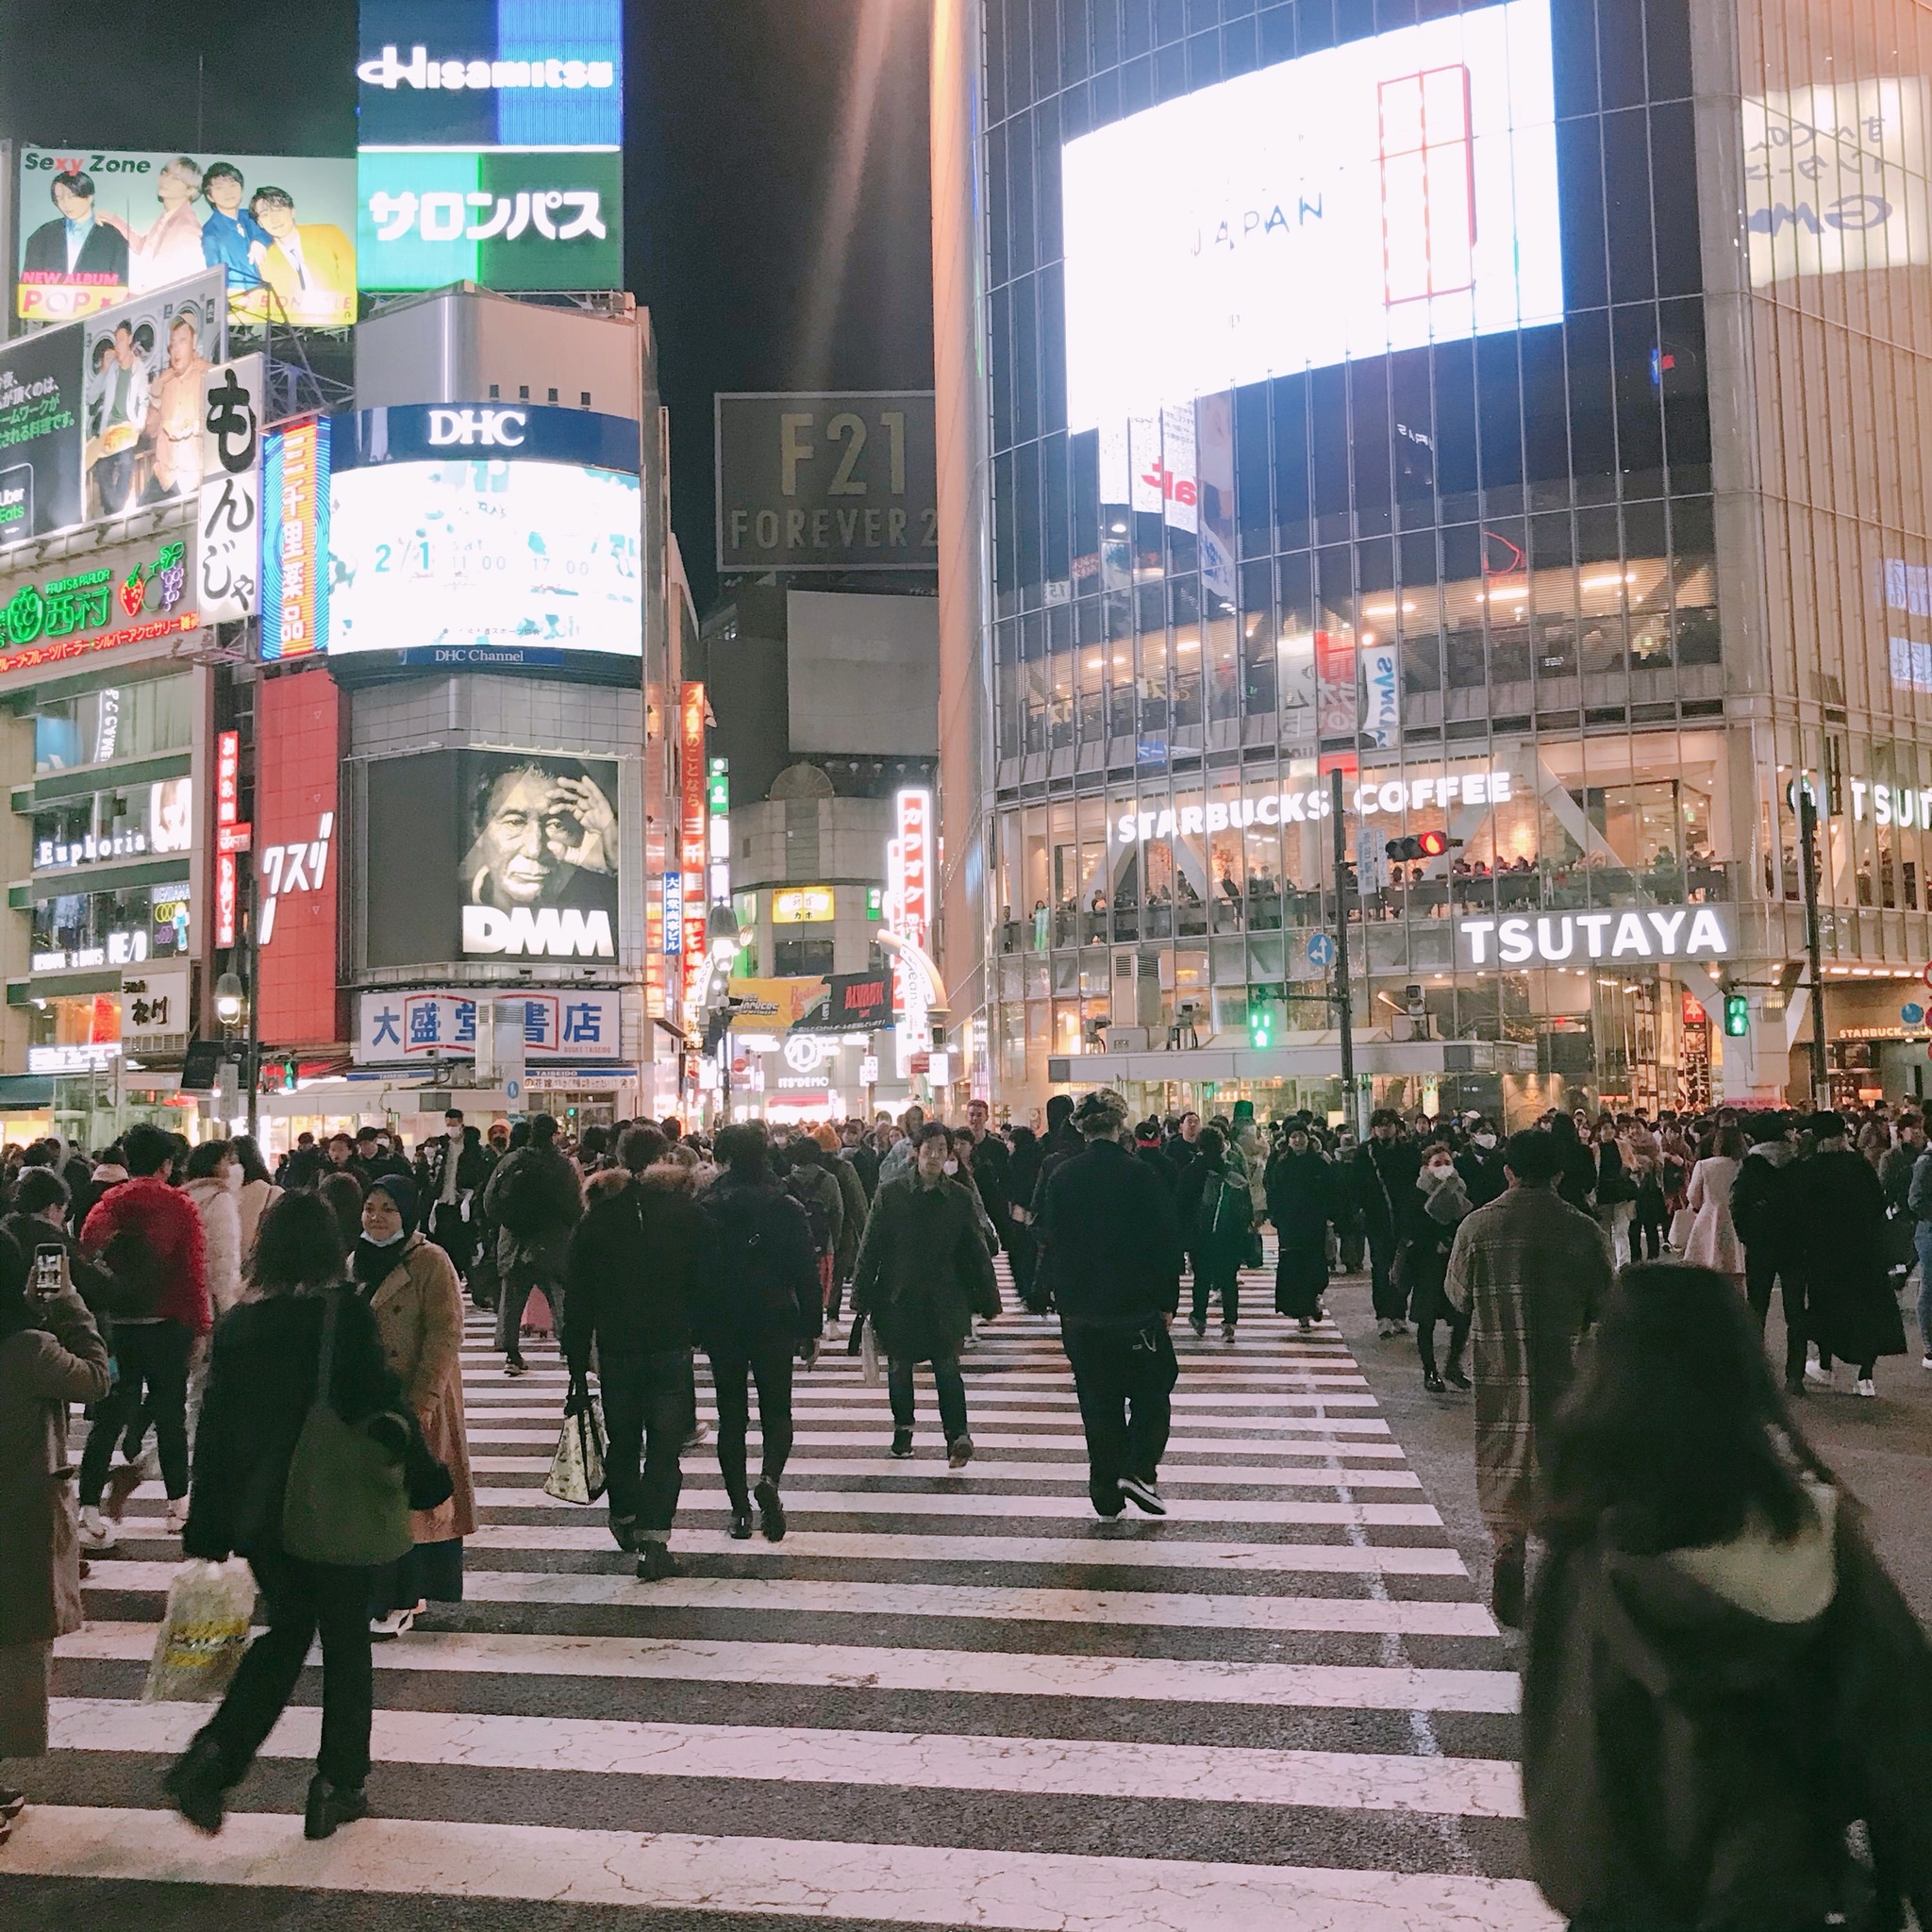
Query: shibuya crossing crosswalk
{"x": 944, "y": 1698}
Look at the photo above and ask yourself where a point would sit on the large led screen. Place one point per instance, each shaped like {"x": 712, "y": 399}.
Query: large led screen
{"x": 485, "y": 562}
{"x": 1381, "y": 195}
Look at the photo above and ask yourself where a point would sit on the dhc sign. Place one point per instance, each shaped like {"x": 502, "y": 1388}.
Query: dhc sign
{"x": 1656, "y": 932}
{"x": 491, "y": 428}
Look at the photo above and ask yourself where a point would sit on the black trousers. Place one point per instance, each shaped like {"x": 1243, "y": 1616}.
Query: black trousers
{"x": 1426, "y": 1335}
{"x": 515, "y": 1295}
{"x": 1390, "y": 1303}
{"x": 451, "y": 1233}
{"x": 155, "y": 1354}
{"x": 768, "y": 1360}
{"x": 1125, "y": 1380}
{"x": 1221, "y": 1278}
{"x": 650, "y": 1404}
{"x": 302, "y": 1599}
{"x": 1760, "y": 1271}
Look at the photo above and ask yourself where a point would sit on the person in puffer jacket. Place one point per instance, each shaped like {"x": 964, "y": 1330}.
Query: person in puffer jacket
{"x": 1721, "y": 1680}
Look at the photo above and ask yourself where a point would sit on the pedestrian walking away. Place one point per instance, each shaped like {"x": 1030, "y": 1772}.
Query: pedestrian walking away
{"x": 1216, "y": 1214}
{"x": 1529, "y": 1272}
{"x": 1383, "y": 1172}
{"x": 265, "y": 1375}
{"x": 535, "y": 1199}
{"x": 758, "y": 1306}
{"x": 923, "y": 1273}
{"x": 410, "y": 1285}
{"x": 146, "y": 1235}
{"x": 630, "y": 1282}
{"x": 1713, "y": 1242}
{"x": 1720, "y": 1677}
{"x": 1113, "y": 1245}
{"x": 51, "y": 1355}
{"x": 1851, "y": 1311}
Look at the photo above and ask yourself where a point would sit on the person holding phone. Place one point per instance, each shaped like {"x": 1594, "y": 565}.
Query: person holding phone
{"x": 51, "y": 1355}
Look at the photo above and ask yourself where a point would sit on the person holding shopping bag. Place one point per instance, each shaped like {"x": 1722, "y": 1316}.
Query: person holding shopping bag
{"x": 51, "y": 1354}
{"x": 410, "y": 1285}
{"x": 300, "y": 1364}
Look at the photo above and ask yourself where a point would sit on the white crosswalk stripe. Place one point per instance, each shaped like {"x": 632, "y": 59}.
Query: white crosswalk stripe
{"x": 911, "y": 1710}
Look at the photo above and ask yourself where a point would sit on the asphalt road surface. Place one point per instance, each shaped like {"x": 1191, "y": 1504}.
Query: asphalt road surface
{"x": 942, "y": 1700}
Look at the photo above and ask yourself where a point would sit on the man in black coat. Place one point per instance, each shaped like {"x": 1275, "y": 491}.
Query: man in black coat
{"x": 450, "y": 1171}
{"x": 1111, "y": 1247}
{"x": 1763, "y": 1199}
{"x": 630, "y": 1271}
{"x": 1383, "y": 1172}
{"x": 534, "y": 1197}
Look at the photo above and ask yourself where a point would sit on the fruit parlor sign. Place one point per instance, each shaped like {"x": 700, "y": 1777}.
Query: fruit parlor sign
{"x": 149, "y": 595}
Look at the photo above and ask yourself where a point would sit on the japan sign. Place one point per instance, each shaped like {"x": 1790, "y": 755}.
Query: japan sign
{"x": 233, "y": 407}
{"x": 560, "y": 1027}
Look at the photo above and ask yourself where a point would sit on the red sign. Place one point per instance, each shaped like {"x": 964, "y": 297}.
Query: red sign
{"x": 296, "y": 807}
{"x": 693, "y": 835}
{"x": 228, "y": 806}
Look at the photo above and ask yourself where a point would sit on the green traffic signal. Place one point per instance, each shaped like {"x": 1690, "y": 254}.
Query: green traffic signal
{"x": 1737, "y": 1015}
{"x": 1261, "y": 1026}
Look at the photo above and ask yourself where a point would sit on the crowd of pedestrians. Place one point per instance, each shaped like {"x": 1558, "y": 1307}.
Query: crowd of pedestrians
{"x": 1720, "y": 1677}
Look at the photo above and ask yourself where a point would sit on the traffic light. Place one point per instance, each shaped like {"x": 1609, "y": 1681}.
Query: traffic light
{"x": 1421, "y": 845}
{"x": 1261, "y": 1025}
{"x": 1737, "y": 1015}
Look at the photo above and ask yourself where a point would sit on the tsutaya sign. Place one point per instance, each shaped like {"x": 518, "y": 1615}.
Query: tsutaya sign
{"x": 1442, "y": 789}
{"x": 1654, "y": 932}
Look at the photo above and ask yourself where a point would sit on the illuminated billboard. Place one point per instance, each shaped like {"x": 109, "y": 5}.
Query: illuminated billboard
{"x": 1385, "y": 194}
{"x": 100, "y": 225}
{"x": 490, "y": 135}
{"x": 492, "y": 536}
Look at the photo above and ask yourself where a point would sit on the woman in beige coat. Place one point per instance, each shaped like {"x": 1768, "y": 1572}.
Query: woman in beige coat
{"x": 51, "y": 1354}
{"x": 410, "y": 1285}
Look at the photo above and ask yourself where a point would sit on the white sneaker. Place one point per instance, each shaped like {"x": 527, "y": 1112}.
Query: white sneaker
{"x": 1814, "y": 1373}
{"x": 177, "y": 1515}
{"x": 1864, "y": 1385}
{"x": 97, "y": 1533}
{"x": 1926, "y": 1362}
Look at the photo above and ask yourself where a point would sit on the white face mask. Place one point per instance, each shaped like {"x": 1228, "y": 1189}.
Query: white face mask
{"x": 1439, "y": 1170}
{"x": 951, "y": 1167}
{"x": 1484, "y": 1141}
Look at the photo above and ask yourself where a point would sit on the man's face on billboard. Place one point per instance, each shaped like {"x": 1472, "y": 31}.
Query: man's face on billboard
{"x": 224, "y": 192}
{"x": 528, "y": 835}
{"x": 124, "y": 345}
{"x": 180, "y": 345}
{"x": 278, "y": 218}
{"x": 75, "y": 208}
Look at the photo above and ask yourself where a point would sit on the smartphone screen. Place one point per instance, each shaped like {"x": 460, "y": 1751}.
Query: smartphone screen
{"x": 49, "y": 1277}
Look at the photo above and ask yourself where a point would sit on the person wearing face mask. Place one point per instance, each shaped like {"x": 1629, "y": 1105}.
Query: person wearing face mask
{"x": 410, "y": 1286}
{"x": 1441, "y": 1207}
{"x": 1480, "y": 1164}
{"x": 923, "y": 1273}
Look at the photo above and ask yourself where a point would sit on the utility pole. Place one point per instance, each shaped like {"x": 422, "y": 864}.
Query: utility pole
{"x": 1345, "y": 1014}
{"x": 1807, "y": 873}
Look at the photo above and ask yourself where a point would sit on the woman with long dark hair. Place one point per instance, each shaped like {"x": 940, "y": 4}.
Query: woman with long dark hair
{"x": 1719, "y": 1680}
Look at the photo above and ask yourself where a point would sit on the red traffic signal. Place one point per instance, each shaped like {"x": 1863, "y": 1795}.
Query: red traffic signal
{"x": 1433, "y": 845}
{"x": 1421, "y": 845}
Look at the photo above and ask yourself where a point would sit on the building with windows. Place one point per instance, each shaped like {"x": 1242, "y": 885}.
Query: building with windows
{"x": 1515, "y": 414}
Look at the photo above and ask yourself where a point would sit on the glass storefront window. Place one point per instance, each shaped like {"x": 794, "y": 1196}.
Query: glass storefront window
{"x": 116, "y": 722}
{"x": 136, "y": 821}
{"x": 75, "y": 930}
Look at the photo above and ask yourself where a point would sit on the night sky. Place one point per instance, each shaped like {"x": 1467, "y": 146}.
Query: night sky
{"x": 733, "y": 111}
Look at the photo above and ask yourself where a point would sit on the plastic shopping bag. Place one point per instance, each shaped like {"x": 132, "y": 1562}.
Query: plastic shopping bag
{"x": 204, "y": 1632}
{"x": 869, "y": 1356}
{"x": 577, "y": 1471}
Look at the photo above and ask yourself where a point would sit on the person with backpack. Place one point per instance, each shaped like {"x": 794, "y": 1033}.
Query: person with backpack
{"x": 923, "y": 1273}
{"x": 536, "y": 1200}
{"x": 146, "y": 1235}
{"x": 1216, "y": 1213}
{"x": 630, "y": 1278}
{"x": 756, "y": 1305}
{"x": 810, "y": 1182}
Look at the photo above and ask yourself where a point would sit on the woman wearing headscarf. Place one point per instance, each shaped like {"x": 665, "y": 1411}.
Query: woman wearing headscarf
{"x": 410, "y": 1286}
{"x": 51, "y": 1355}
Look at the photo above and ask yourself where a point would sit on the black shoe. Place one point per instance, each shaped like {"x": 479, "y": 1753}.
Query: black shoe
{"x": 656, "y": 1562}
{"x": 771, "y": 1510}
{"x": 1308, "y": 1327}
{"x": 902, "y": 1441}
{"x": 624, "y": 1530}
{"x": 331, "y": 1806}
{"x": 1454, "y": 1377}
{"x": 740, "y": 1525}
{"x": 194, "y": 1784}
{"x": 515, "y": 1365}
{"x": 1143, "y": 1494}
{"x": 1794, "y": 1387}
{"x": 12, "y": 1803}
{"x": 959, "y": 1452}
{"x": 1199, "y": 1324}
{"x": 1432, "y": 1382}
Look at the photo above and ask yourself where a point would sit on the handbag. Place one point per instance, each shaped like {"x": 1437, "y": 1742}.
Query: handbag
{"x": 576, "y": 1470}
{"x": 869, "y": 1358}
{"x": 345, "y": 1501}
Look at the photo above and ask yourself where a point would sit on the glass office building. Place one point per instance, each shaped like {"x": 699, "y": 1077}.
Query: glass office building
{"x": 1515, "y": 415}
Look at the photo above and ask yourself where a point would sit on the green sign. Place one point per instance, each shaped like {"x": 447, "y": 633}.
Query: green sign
{"x": 67, "y": 605}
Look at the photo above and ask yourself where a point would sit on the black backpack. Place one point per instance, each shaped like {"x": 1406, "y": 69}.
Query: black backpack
{"x": 817, "y": 1217}
{"x": 745, "y": 1270}
{"x": 522, "y": 1206}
